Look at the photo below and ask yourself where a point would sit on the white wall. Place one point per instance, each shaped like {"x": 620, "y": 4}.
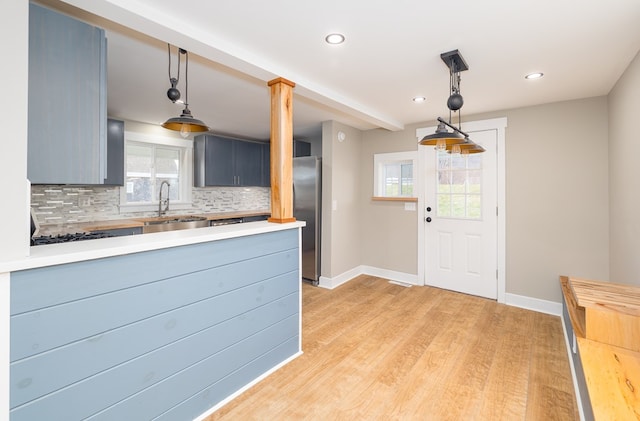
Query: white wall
{"x": 14, "y": 211}
{"x": 556, "y": 198}
{"x": 341, "y": 227}
{"x": 624, "y": 179}
{"x": 390, "y": 233}
{"x": 14, "y": 216}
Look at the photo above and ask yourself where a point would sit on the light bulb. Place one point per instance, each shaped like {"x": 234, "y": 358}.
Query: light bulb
{"x": 185, "y": 130}
{"x": 441, "y": 145}
{"x": 455, "y": 149}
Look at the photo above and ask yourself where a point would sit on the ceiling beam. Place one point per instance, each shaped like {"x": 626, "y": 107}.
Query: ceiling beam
{"x": 161, "y": 25}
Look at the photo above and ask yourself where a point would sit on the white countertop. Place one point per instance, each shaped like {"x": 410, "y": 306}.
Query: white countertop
{"x": 76, "y": 251}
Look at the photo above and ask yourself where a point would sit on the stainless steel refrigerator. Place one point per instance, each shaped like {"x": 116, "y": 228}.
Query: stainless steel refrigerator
{"x": 307, "y": 206}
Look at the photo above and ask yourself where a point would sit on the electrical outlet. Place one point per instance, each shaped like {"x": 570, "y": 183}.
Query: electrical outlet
{"x": 84, "y": 201}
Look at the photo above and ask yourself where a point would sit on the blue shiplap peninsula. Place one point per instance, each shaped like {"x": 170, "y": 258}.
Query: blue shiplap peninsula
{"x": 161, "y": 326}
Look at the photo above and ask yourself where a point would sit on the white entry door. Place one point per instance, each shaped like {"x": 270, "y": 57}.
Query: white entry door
{"x": 461, "y": 219}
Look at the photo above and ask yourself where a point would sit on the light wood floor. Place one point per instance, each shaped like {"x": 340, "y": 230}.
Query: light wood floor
{"x": 378, "y": 351}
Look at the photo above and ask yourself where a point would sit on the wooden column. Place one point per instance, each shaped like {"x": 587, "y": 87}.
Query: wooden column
{"x": 281, "y": 150}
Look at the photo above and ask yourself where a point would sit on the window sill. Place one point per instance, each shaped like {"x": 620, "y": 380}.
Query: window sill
{"x": 394, "y": 199}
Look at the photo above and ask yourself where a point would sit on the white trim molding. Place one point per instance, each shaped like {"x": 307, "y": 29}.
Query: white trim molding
{"x": 535, "y": 304}
{"x": 336, "y": 281}
{"x": 5, "y": 338}
{"x": 514, "y": 300}
{"x": 246, "y": 387}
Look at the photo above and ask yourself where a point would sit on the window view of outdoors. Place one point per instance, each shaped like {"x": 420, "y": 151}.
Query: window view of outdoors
{"x": 147, "y": 167}
{"x": 459, "y": 186}
{"x": 398, "y": 179}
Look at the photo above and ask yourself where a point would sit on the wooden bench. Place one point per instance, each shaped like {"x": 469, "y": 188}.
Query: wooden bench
{"x": 602, "y": 322}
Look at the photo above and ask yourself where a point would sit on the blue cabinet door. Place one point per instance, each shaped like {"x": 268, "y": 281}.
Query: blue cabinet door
{"x": 248, "y": 163}
{"x": 67, "y": 100}
{"x": 115, "y": 153}
{"x": 266, "y": 165}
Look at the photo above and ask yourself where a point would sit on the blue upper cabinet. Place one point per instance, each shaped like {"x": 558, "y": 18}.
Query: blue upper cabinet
{"x": 222, "y": 161}
{"x": 67, "y": 100}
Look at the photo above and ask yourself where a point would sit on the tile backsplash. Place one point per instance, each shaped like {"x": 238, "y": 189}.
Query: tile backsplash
{"x": 58, "y": 208}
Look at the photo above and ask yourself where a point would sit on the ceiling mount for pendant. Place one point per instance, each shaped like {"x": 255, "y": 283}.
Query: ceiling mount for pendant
{"x": 454, "y": 61}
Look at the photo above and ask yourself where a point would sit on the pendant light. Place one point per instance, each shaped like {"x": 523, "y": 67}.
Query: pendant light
{"x": 442, "y": 139}
{"x": 186, "y": 123}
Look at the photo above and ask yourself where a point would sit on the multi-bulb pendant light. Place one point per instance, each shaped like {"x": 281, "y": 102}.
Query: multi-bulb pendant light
{"x": 456, "y": 141}
{"x": 186, "y": 123}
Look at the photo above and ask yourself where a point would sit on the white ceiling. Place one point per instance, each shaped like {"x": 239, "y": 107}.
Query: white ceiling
{"x": 391, "y": 54}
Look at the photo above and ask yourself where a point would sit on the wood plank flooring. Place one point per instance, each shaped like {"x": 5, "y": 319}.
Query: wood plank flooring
{"x": 379, "y": 351}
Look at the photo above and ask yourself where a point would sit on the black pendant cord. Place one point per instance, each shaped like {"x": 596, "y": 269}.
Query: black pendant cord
{"x": 459, "y": 117}
{"x": 450, "y": 90}
{"x": 186, "y": 77}
{"x": 178, "y": 76}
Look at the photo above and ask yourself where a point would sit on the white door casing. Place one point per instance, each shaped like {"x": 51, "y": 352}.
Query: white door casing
{"x": 464, "y": 254}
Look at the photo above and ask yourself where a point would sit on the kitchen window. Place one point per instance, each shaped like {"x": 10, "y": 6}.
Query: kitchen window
{"x": 393, "y": 176}
{"x": 148, "y": 162}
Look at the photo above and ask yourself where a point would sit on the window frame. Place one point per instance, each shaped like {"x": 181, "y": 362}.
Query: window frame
{"x": 381, "y": 160}
{"x": 186, "y": 171}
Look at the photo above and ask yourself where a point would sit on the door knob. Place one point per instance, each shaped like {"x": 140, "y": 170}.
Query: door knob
{"x": 428, "y": 219}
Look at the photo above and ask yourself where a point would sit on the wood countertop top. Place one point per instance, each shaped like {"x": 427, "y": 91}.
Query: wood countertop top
{"x": 606, "y": 296}
{"x": 613, "y": 376}
{"x": 139, "y": 222}
{"x": 606, "y": 323}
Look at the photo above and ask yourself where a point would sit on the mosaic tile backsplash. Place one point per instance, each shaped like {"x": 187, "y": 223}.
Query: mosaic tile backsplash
{"x": 58, "y": 208}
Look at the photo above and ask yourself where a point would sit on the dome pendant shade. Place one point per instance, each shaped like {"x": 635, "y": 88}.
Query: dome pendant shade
{"x": 177, "y": 123}
{"x": 442, "y": 136}
{"x": 468, "y": 147}
{"x": 472, "y": 150}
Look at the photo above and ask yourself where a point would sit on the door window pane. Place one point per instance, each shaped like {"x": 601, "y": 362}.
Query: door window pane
{"x": 459, "y": 186}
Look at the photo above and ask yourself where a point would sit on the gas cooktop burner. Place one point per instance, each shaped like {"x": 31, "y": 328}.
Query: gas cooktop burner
{"x": 65, "y": 238}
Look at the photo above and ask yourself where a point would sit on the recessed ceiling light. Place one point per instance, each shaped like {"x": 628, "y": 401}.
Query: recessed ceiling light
{"x": 334, "y": 39}
{"x": 537, "y": 75}
{"x": 419, "y": 99}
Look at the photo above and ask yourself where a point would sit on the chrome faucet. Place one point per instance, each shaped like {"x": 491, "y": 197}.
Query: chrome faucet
{"x": 165, "y": 201}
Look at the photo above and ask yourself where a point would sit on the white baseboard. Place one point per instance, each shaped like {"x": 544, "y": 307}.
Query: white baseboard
{"x": 535, "y": 304}
{"x": 529, "y": 303}
{"x": 392, "y": 275}
{"x": 336, "y": 281}
{"x": 246, "y": 387}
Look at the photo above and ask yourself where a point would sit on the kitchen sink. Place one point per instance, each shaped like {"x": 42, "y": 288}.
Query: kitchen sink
{"x": 172, "y": 224}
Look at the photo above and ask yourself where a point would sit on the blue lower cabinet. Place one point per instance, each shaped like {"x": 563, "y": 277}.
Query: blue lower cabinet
{"x": 139, "y": 347}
